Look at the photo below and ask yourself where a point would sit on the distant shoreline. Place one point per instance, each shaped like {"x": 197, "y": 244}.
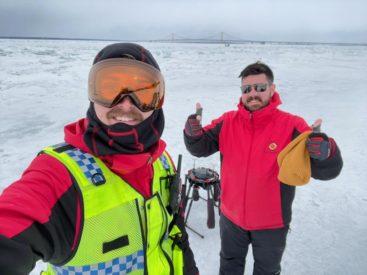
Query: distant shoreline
{"x": 197, "y": 41}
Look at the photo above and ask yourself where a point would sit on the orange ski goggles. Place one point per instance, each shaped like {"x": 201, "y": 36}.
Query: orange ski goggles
{"x": 110, "y": 80}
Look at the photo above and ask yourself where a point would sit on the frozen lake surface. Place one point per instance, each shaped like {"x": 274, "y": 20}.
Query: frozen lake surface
{"x": 43, "y": 86}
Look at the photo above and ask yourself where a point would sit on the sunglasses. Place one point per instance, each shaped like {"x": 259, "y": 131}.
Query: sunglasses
{"x": 112, "y": 79}
{"x": 260, "y": 87}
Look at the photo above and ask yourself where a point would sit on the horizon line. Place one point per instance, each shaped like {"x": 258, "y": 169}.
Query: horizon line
{"x": 190, "y": 40}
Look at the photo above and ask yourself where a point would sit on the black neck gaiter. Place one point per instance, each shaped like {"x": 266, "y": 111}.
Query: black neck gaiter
{"x": 121, "y": 138}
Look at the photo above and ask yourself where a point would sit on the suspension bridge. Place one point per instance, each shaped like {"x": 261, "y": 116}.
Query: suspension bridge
{"x": 220, "y": 38}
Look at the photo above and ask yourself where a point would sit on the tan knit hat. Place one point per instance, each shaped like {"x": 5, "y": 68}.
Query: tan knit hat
{"x": 294, "y": 162}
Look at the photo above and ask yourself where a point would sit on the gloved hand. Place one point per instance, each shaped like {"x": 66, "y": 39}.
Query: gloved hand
{"x": 318, "y": 145}
{"x": 193, "y": 126}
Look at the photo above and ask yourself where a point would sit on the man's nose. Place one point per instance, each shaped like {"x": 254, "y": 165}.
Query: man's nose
{"x": 125, "y": 103}
{"x": 252, "y": 91}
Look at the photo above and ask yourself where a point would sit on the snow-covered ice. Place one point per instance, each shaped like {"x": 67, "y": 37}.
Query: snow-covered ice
{"x": 43, "y": 86}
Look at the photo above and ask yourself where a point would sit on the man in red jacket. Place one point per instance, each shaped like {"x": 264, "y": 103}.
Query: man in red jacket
{"x": 255, "y": 206}
{"x": 45, "y": 214}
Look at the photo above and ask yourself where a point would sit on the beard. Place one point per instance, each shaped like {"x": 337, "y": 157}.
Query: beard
{"x": 260, "y": 103}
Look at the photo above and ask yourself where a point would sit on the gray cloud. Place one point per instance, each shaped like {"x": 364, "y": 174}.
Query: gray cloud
{"x": 325, "y": 21}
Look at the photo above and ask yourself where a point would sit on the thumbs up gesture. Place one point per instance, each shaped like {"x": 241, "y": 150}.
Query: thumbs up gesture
{"x": 316, "y": 126}
{"x": 193, "y": 126}
{"x": 318, "y": 144}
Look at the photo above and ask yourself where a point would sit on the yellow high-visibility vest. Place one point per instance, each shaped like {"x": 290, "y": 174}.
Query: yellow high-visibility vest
{"x": 121, "y": 232}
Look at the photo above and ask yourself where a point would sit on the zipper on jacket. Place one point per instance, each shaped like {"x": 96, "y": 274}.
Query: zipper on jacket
{"x": 144, "y": 234}
{"x": 165, "y": 235}
{"x": 248, "y": 163}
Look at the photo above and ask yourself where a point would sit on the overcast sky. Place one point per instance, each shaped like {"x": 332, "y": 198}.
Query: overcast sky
{"x": 271, "y": 20}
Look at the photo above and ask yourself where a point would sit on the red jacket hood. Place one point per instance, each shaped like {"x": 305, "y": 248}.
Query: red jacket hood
{"x": 120, "y": 163}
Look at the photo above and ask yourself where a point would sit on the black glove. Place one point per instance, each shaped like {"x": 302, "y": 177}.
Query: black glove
{"x": 318, "y": 145}
{"x": 193, "y": 126}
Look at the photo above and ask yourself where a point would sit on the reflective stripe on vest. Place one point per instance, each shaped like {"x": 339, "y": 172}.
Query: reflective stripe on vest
{"x": 122, "y": 232}
{"x": 122, "y": 265}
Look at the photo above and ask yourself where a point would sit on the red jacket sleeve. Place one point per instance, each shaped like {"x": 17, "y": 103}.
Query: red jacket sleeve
{"x": 28, "y": 224}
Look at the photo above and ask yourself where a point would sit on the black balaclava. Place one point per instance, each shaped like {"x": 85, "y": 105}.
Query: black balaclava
{"x": 121, "y": 138}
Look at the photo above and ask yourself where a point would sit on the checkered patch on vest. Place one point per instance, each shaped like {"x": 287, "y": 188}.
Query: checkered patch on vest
{"x": 164, "y": 161}
{"x": 118, "y": 266}
{"x": 88, "y": 165}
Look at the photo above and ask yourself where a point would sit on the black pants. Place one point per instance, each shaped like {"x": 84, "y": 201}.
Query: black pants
{"x": 267, "y": 248}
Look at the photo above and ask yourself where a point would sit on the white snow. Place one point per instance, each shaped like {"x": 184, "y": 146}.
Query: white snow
{"x": 43, "y": 87}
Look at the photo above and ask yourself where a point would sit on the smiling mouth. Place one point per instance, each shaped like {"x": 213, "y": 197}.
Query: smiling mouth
{"x": 124, "y": 119}
{"x": 254, "y": 101}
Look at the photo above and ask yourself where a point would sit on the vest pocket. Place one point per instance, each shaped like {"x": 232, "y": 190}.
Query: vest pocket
{"x": 115, "y": 244}
{"x": 112, "y": 234}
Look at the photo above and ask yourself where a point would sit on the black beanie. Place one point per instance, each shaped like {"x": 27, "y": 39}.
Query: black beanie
{"x": 126, "y": 50}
